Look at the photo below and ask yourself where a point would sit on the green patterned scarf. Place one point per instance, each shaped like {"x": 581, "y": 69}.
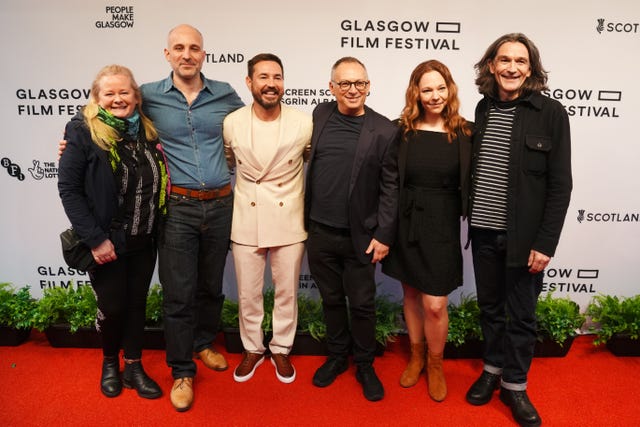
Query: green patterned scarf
{"x": 109, "y": 119}
{"x": 128, "y": 126}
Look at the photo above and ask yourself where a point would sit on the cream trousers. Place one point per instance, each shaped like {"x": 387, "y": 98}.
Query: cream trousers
{"x": 250, "y": 263}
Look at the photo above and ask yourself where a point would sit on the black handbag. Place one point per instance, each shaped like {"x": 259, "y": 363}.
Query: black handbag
{"x": 75, "y": 253}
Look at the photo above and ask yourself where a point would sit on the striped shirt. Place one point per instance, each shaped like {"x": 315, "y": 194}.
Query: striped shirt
{"x": 489, "y": 190}
{"x": 138, "y": 176}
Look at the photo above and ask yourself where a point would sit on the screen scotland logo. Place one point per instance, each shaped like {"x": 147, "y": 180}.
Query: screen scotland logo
{"x": 617, "y": 27}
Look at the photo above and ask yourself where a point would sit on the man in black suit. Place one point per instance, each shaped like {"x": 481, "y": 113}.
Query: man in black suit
{"x": 351, "y": 213}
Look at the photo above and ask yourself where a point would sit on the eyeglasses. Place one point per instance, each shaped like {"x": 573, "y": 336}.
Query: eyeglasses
{"x": 345, "y": 85}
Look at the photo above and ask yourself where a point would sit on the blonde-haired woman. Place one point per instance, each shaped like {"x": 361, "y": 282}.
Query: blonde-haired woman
{"x": 433, "y": 166}
{"x": 112, "y": 182}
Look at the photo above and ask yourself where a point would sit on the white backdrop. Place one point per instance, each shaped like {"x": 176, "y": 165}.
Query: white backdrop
{"x": 52, "y": 51}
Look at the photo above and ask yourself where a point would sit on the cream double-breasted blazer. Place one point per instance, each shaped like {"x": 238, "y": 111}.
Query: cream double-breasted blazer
{"x": 268, "y": 206}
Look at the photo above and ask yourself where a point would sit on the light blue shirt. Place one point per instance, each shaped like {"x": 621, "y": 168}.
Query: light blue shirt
{"x": 191, "y": 135}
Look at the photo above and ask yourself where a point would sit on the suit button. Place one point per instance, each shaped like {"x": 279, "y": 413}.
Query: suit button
{"x": 281, "y": 204}
{"x": 239, "y": 162}
{"x": 253, "y": 203}
{"x": 258, "y": 182}
{"x": 290, "y": 161}
{"x": 279, "y": 184}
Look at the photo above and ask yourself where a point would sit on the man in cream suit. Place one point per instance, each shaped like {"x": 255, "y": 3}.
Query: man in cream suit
{"x": 267, "y": 143}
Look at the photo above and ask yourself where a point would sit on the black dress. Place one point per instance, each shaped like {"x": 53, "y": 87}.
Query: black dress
{"x": 427, "y": 253}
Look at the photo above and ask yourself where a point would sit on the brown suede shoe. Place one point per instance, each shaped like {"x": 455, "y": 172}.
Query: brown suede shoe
{"x": 182, "y": 394}
{"x": 246, "y": 368}
{"x": 212, "y": 359}
{"x": 285, "y": 372}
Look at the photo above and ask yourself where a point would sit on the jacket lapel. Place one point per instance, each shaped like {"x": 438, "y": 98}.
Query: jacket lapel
{"x": 364, "y": 144}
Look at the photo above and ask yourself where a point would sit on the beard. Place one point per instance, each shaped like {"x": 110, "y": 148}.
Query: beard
{"x": 267, "y": 104}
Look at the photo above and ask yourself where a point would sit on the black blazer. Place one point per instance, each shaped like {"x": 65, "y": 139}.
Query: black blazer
{"x": 87, "y": 185}
{"x": 373, "y": 187}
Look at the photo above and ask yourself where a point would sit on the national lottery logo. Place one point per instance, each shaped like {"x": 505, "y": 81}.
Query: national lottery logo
{"x": 41, "y": 170}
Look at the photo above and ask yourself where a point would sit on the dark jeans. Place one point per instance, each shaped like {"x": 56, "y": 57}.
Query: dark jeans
{"x": 348, "y": 291}
{"x": 121, "y": 289}
{"x": 192, "y": 246}
{"x": 507, "y": 297}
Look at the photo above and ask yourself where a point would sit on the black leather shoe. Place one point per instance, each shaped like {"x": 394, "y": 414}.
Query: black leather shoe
{"x": 327, "y": 373}
{"x": 521, "y": 407}
{"x": 371, "y": 385}
{"x": 110, "y": 383}
{"x": 482, "y": 390}
{"x": 135, "y": 377}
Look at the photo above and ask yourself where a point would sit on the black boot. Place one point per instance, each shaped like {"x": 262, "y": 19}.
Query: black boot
{"x": 135, "y": 377}
{"x": 482, "y": 390}
{"x": 522, "y": 409}
{"x": 110, "y": 383}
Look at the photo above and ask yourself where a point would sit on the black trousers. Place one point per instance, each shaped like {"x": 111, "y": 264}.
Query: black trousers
{"x": 348, "y": 291}
{"x": 507, "y": 297}
{"x": 121, "y": 289}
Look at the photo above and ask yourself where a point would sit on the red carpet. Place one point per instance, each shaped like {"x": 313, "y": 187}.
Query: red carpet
{"x": 45, "y": 386}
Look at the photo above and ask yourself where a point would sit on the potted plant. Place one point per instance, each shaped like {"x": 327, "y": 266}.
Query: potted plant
{"x": 311, "y": 329}
{"x": 464, "y": 338}
{"x": 616, "y": 322}
{"x": 558, "y": 321}
{"x": 230, "y": 325}
{"x": 16, "y": 312}
{"x": 67, "y": 317}
{"x": 388, "y": 319}
{"x": 306, "y": 315}
{"x": 154, "y": 330}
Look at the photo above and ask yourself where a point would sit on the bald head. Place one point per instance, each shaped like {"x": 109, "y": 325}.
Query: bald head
{"x": 184, "y": 29}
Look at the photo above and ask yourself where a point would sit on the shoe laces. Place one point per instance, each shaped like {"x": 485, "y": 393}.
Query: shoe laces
{"x": 181, "y": 383}
{"x": 520, "y": 396}
{"x": 282, "y": 362}
{"x": 248, "y": 360}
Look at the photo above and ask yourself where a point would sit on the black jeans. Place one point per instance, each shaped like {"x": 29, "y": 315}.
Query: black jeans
{"x": 192, "y": 246}
{"x": 348, "y": 291}
{"x": 507, "y": 297}
{"x": 121, "y": 289}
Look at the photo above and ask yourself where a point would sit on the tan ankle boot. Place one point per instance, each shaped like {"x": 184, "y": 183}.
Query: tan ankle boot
{"x": 415, "y": 366}
{"x": 435, "y": 377}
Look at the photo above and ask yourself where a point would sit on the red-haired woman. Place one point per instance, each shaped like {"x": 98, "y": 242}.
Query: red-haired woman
{"x": 434, "y": 160}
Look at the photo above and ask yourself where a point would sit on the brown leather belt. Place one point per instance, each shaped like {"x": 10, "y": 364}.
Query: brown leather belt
{"x": 202, "y": 194}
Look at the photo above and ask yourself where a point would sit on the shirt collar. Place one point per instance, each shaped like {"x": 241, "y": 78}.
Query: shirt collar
{"x": 167, "y": 84}
{"x": 534, "y": 99}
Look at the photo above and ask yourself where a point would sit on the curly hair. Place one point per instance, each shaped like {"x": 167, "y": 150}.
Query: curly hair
{"x": 413, "y": 110}
{"x": 486, "y": 81}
